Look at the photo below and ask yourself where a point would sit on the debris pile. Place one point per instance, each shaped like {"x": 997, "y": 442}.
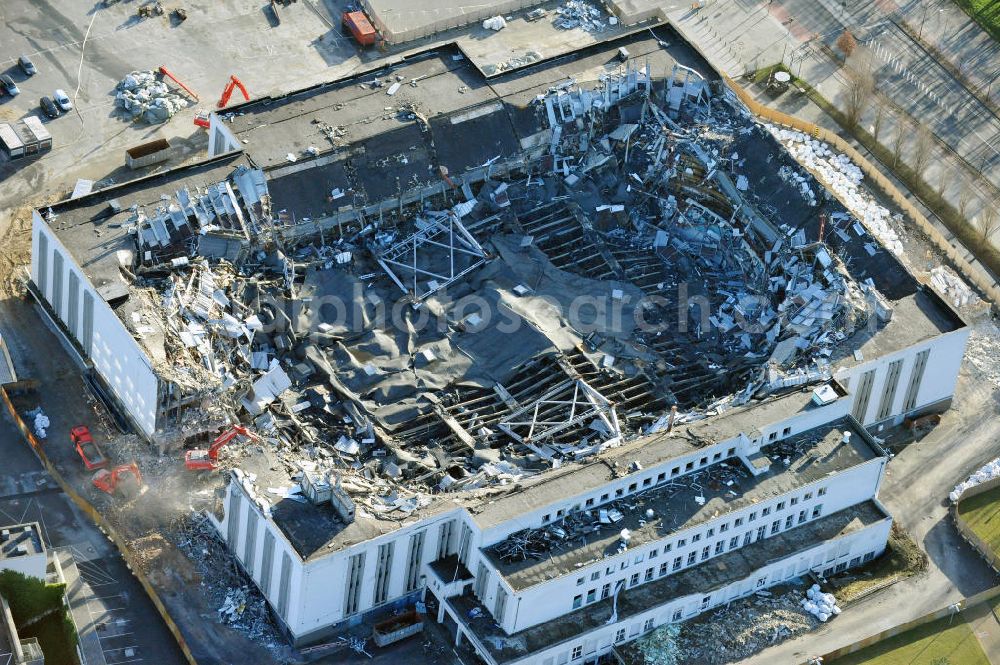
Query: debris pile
{"x": 581, "y": 14}
{"x": 820, "y": 605}
{"x": 983, "y": 351}
{"x": 495, "y": 23}
{"x": 141, "y": 95}
{"x": 239, "y": 602}
{"x": 843, "y": 177}
{"x": 39, "y": 422}
{"x": 985, "y": 473}
{"x": 953, "y": 287}
{"x": 738, "y": 630}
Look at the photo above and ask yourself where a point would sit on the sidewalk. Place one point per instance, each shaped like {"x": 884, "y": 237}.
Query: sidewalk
{"x": 78, "y": 595}
{"x": 985, "y": 625}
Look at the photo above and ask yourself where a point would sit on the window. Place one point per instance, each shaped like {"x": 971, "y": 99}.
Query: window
{"x": 674, "y": 471}
{"x": 828, "y": 571}
{"x": 591, "y": 596}
{"x": 855, "y": 561}
{"x": 780, "y": 506}
{"x": 689, "y": 466}
{"x": 695, "y": 538}
{"x": 868, "y": 557}
{"x": 604, "y": 497}
{"x": 752, "y": 517}
{"x": 634, "y": 580}
{"x": 663, "y": 569}
{"x": 560, "y": 512}
{"x": 719, "y": 545}
{"x": 738, "y": 521}
{"x": 772, "y": 436}
{"x": 624, "y": 564}
{"x": 668, "y": 547}
{"x": 577, "y": 601}
{"x": 620, "y": 635}
{"x": 761, "y": 582}
{"x": 703, "y": 461}
{"x": 681, "y": 543}
{"x": 677, "y": 615}
{"x": 724, "y": 527}
{"x": 817, "y": 510}
{"x": 841, "y": 567}
{"x": 605, "y": 590}
{"x": 766, "y": 511}
{"x": 649, "y": 575}
{"x": 619, "y": 492}
{"x": 705, "y": 601}
{"x": 802, "y": 516}
{"x": 775, "y": 526}
{"x": 821, "y": 491}
{"x": 653, "y": 553}
{"x": 647, "y": 482}
{"x": 639, "y": 558}
{"x": 692, "y": 557}
{"x": 577, "y": 653}
{"x": 733, "y": 542}
{"x": 632, "y": 487}
{"x": 788, "y": 521}
{"x": 590, "y": 502}
{"x": 808, "y": 496}
{"x": 711, "y": 532}
{"x": 716, "y": 457}
{"x": 546, "y": 518}
{"x": 746, "y": 538}
{"x": 594, "y": 576}
{"x": 730, "y": 452}
{"x": 705, "y": 551}
{"x": 648, "y": 626}
{"x": 786, "y": 431}
{"x": 678, "y": 562}
{"x": 794, "y": 501}
{"x": 761, "y": 532}
{"x": 579, "y": 581}
{"x": 609, "y": 570}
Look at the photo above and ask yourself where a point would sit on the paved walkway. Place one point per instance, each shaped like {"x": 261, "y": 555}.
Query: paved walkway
{"x": 79, "y": 594}
{"x": 985, "y": 624}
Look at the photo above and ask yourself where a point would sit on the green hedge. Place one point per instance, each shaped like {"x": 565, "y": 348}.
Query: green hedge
{"x": 30, "y": 598}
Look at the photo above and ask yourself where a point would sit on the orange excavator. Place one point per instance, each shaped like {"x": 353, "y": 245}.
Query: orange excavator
{"x": 228, "y": 92}
{"x": 200, "y": 459}
{"x": 166, "y": 73}
{"x": 124, "y": 481}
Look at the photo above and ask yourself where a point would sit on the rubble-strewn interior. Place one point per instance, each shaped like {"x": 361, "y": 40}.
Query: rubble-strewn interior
{"x": 624, "y": 275}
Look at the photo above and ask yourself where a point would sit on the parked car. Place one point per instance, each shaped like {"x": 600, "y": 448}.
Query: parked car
{"x": 26, "y": 65}
{"x": 48, "y": 107}
{"x": 8, "y": 85}
{"x": 62, "y": 100}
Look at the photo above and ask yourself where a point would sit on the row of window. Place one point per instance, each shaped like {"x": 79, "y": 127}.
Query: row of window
{"x": 695, "y": 556}
{"x": 645, "y": 484}
{"x": 722, "y": 528}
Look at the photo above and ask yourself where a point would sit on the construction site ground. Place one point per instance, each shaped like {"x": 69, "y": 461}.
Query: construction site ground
{"x": 111, "y": 611}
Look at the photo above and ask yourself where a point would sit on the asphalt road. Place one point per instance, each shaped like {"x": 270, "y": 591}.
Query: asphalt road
{"x": 915, "y": 492}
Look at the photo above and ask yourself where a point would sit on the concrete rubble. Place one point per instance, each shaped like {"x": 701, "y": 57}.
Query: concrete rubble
{"x": 580, "y": 14}
{"x": 141, "y": 95}
{"x": 740, "y": 629}
{"x": 987, "y": 472}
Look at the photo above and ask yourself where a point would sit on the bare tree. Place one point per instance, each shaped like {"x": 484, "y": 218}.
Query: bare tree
{"x": 846, "y": 43}
{"x": 965, "y": 196}
{"x": 860, "y": 89}
{"x": 897, "y": 140}
{"x": 922, "y": 149}
{"x": 944, "y": 177}
{"x": 988, "y": 222}
{"x": 879, "y": 118}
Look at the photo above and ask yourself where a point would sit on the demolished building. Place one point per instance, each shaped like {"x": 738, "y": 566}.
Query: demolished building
{"x": 565, "y": 361}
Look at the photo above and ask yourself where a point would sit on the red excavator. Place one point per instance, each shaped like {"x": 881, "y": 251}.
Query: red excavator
{"x": 228, "y": 92}
{"x": 124, "y": 481}
{"x": 200, "y": 459}
{"x": 166, "y": 73}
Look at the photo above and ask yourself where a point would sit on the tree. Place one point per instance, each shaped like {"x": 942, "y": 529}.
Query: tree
{"x": 965, "y": 196}
{"x": 860, "y": 88}
{"x": 847, "y": 43}
{"x": 988, "y": 222}
{"x": 897, "y": 140}
{"x": 879, "y": 118}
{"x": 922, "y": 149}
